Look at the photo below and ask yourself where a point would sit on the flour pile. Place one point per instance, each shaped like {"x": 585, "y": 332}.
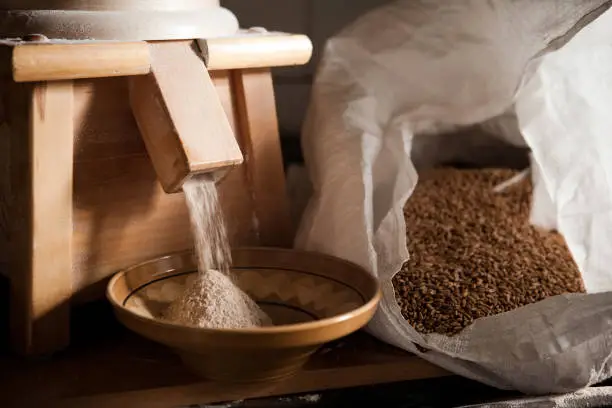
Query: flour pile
{"x": 212, "y": 300}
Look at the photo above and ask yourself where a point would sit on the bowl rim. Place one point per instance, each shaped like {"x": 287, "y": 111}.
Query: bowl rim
{"x": 373, "y": 301}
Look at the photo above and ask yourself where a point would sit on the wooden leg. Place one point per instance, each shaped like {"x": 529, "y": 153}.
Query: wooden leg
{"x": 41, "y": 183}
{"x": 258, "y": 128}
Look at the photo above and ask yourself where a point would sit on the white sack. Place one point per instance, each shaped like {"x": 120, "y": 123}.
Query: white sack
{"x": 427, "y": 67}
{"x": 594, "y": 397}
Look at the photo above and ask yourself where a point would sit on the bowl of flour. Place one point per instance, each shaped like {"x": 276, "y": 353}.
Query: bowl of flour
{"x": 260, "y": 323}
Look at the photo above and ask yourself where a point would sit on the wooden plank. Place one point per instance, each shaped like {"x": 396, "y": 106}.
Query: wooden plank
{"x": 258, "y": 124}
{"x": 61, "y": 61}
{"x": 41, "y": 217}
{"x": 180, "y": 116}
{"x": 234, "y": 194}
{"x": 51, "y": 62}
{"x": 307, "y": 381}
{"x": 123, "y": 370}
{"x": 256, "y": 50}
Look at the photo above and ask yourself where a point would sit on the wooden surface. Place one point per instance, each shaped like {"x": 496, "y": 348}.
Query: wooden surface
{"x": 260, "y": 140}
{"x": 180, "y": 117}
{"x": 109, "y": 367}
{"x": 50, "y": 62}
{"x": 33, "y": 62}
{"x": 121, "y": 214}
{"x": 41, "y": 213}
{"x": 256, "y": 50}
{"x": 118, "y": 200}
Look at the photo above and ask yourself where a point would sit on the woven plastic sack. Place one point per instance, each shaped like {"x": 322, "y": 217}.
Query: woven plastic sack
{"x": 417, "y": 68}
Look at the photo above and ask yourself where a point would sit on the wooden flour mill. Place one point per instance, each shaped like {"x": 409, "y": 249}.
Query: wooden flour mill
{"x": 98, "y": 131}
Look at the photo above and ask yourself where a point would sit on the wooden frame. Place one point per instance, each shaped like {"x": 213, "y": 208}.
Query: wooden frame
{"x": 82, "y": 193}
{"x": 41, "y": 144}
{"x": 119, "y": 369}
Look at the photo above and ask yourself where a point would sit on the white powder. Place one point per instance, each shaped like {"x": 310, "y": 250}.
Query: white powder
{"x": 207, "y": 225}
{"x": 212, "y": 300}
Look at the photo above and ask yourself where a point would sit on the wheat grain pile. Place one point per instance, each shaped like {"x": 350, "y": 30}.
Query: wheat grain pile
{"x": 473, "y": 253}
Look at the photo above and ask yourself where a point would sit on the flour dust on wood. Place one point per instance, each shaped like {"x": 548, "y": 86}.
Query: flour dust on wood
{"x": 213, "y": 300}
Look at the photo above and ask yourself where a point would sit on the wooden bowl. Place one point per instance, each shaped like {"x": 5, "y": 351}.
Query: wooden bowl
{"x": 312, "y": 299}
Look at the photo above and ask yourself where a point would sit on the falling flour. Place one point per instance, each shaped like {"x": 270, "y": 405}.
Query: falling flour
{"x": 212, "y": 300}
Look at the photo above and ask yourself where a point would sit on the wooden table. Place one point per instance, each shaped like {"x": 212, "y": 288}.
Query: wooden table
{"x": 110, "y": 367}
